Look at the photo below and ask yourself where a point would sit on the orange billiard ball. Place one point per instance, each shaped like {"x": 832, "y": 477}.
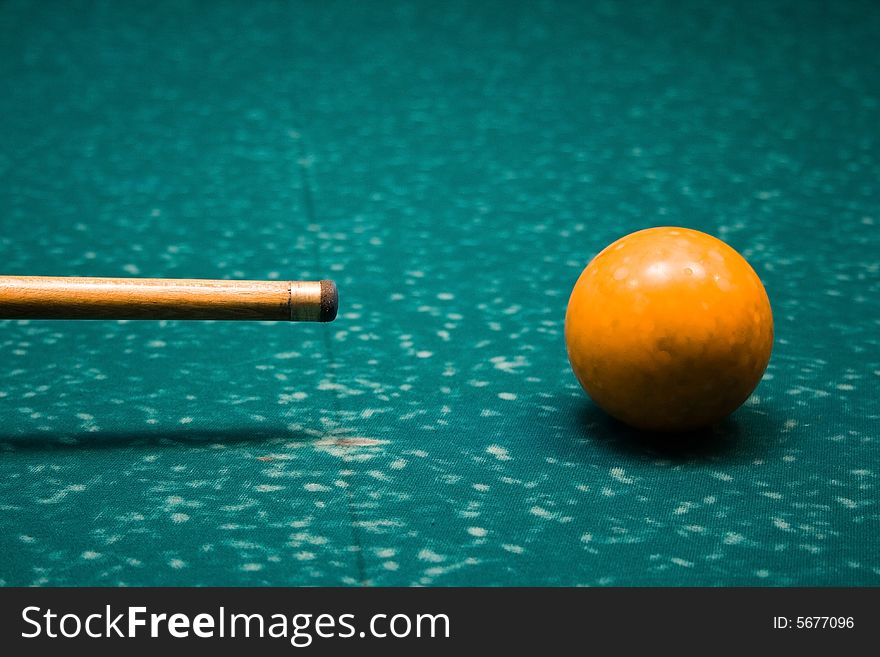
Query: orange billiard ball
{"x": 669, "y": 329}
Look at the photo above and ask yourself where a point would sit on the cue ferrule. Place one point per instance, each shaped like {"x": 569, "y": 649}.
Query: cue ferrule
{"x": 313, "y": 301}
{"x": 58, "y": 297}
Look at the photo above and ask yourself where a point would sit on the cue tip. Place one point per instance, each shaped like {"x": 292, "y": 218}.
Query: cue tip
{"x": 329, "y": 301}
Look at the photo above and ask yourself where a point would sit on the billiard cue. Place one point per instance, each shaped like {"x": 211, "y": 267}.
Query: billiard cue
{"x": 58, "y": 297}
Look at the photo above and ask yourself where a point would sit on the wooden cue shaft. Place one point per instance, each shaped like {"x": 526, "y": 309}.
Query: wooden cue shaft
{"x": 58, "y": 297}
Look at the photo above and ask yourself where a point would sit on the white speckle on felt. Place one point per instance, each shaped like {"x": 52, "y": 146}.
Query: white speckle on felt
{"x": 430, "y": 556}
{"x": 267, "y": 488}
{"x": 543, "y": 513}
{"x": 378, "y": 526}
{"x": 498, "y": 452}
{"x": 316, "y": 488}
{"x": 509, "y": 366}
{"x": 479, "y": 532}
{"x": 620, "y": 475}
{"x": 299, "y": 538}
{"x": 61, "y": 494}
{"x": 293, "y": 396}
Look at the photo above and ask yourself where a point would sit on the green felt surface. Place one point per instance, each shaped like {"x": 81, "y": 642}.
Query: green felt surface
{"x": 453, "y": 167}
